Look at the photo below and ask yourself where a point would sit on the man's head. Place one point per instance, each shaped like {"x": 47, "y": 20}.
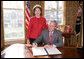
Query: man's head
{"x": 52, "y": 25}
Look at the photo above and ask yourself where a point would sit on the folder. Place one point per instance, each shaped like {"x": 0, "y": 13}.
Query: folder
{"x": 41, "y": 51}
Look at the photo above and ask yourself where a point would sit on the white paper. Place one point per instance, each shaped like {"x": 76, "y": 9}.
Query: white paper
{"x": 15, "y": 51}
{"x": 53, "y": 51}
{"x": 37, "y": 51}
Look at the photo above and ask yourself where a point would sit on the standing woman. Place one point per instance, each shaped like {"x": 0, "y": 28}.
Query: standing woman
{"x": 36, "y": 25}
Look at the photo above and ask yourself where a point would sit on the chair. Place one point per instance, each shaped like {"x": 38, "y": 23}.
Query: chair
{"x": 68, "y": 34}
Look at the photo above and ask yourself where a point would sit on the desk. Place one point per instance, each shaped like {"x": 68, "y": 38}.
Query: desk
{"x": 23, "y": 51}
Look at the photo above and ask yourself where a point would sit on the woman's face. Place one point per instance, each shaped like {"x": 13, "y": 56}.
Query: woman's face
{"x": 37, "y": 12}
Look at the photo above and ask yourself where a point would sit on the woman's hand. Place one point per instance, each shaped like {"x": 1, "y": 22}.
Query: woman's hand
{"x": 34, "y": 44}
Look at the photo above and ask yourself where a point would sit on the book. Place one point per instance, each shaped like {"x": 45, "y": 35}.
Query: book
{"x": 40, "y": 51}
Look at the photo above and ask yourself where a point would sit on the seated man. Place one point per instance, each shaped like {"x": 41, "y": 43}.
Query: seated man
{"x": 51, "y": 37}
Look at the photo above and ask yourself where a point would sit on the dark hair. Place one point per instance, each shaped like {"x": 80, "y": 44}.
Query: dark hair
{"x": 53, "y": 21}
{"x": 40, "y": 10}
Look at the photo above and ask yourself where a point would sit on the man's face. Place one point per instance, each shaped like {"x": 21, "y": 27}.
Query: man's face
{"x": 51, "y": 26}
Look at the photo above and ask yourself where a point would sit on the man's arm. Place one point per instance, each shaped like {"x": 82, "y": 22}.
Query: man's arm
{"x": 39, "y": 39}
{"x": 60, "y": 41}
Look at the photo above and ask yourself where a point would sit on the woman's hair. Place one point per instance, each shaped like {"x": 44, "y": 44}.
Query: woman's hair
{"x": 34, "y": 8}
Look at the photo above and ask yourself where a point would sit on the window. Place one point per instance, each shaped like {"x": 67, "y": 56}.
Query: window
{"x": 13, "y": 16}
{"x": 54, "y": 11}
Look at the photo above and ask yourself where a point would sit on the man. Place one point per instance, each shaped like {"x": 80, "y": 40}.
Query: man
{"x": 51, "y": 37}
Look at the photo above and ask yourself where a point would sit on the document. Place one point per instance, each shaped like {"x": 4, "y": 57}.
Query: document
{"x": 39, "y": 51}
{"x": 53, "y": 51}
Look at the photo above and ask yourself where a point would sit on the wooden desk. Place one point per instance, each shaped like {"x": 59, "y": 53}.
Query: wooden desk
{"x": 23, "y": 51}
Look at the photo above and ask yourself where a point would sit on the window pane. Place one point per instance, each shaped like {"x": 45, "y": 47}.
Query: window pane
{"x": 13, "y": 24}
{"x": 50, "y": 15}
{"x": 54, "y": 11}
{"x": 50, "y": 5}
{"x": 20, "y": 18}
{"x": 13, "y": 4}
{"x": 60, "y": 5}
{"x": 60, "y": 17}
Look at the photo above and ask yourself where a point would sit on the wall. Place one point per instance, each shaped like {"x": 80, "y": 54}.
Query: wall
{"x": 71, "y": 13}
{"x": 71, "y": 9}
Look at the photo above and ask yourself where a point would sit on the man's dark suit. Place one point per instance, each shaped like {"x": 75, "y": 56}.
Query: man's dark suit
{"x": 56, "y": 38}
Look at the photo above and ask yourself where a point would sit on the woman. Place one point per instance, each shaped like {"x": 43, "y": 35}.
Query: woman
{"x": 36, "y": 25}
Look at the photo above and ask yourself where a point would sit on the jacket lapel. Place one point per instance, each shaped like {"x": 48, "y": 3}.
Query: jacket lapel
{"x": 47, "y": 35}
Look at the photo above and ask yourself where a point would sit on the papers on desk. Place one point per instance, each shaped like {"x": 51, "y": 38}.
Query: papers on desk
{"x": 53, "y": 51}
{"x": 38, "y": 51}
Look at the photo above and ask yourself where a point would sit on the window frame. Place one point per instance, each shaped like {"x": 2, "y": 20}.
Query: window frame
{"x": 56, "y": 11}
{"x": 18, "y": 9}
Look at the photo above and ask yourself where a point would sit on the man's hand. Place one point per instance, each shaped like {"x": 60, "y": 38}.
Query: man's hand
{"x": 34, "y": 45}
{"x": 28, "y": 42}
{"x": 48, "y": 46}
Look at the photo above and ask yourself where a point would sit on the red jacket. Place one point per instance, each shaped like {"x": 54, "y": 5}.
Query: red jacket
{"x": 36, "y": 26}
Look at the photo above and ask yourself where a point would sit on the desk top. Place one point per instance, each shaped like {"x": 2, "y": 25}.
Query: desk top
{"x": 24, "y": 51}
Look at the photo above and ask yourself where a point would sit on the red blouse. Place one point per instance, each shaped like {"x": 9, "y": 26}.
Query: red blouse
{"x": 36, "y": 26}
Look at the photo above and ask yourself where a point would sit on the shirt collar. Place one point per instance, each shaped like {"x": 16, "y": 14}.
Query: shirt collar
{"x": 52, "y": 32}
{"x": 38, "y": 18}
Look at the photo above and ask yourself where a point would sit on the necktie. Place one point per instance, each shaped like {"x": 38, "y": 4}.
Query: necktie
{"x": 50, "y": 37}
